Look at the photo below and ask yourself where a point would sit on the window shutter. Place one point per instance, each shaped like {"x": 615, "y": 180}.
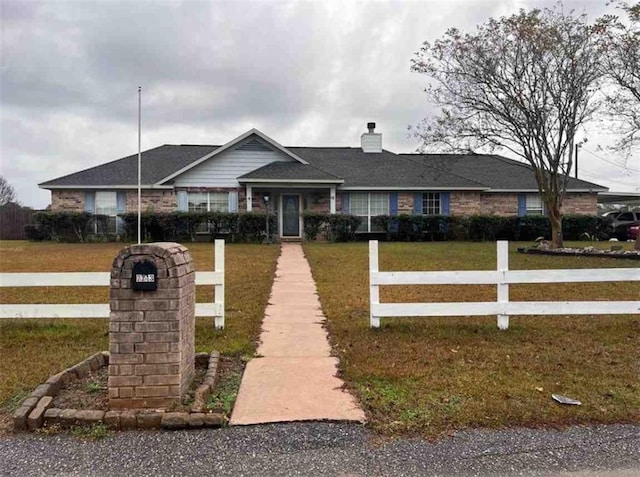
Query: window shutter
{"x": 90, "y": 202}
{"x": 121, "y": 208}
{"x": 233, "y": 201}
{"x": 522, "y": 205}
{"x": 183, "y": 201}
{"x": 417, "y": 204}
{"x": 121, "y": 202}
{"x": 393, "y": 203}
{"x": 444, "y": 203}
{"x": 345, "y": 203}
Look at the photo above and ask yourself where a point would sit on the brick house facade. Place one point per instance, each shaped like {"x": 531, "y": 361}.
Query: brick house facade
{"x": 364, "y": 181}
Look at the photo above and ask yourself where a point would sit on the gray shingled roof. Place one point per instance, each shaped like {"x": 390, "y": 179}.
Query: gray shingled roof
{"x": 157, "y": 163}
{"x": 496, "y": 172}
{"x": 379, "y": 170}
{"x": 330, "y": 164}
{"x": 290, "y": 171}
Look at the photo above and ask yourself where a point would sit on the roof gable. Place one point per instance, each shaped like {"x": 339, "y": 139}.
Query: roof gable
{"x": 250, "y": 143}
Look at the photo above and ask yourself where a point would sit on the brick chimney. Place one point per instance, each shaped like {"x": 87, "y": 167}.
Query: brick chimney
{"x": 371, "y": 142}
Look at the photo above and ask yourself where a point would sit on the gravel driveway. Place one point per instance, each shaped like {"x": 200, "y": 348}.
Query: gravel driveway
{"x": 310, "y": 449}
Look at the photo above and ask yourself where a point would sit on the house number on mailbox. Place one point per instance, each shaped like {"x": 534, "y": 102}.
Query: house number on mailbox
{"x": 144, "y": 276}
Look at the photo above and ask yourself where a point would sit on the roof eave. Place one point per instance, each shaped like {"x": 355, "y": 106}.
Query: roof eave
{"x": 297, "y": 181}
{"x": 591, "y": 190}
{"x": 415, "y": 188}
{"x": 115, "y": 186}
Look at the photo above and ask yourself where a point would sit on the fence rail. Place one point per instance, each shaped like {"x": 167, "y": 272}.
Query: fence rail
{"x": 88, "y": 279}
{"x": 502, "y": 278}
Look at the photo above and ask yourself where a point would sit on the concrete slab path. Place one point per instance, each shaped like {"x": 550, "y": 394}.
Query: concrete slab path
{"x": 294, "y": 379}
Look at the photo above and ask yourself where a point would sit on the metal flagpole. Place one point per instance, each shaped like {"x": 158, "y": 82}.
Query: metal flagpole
{"x": 139, "y": 161}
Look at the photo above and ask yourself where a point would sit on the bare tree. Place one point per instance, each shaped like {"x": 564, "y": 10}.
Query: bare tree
{"x": 7, "y": 194}
{"x": 525, "y": 83}
{"x": 621, "y": 65}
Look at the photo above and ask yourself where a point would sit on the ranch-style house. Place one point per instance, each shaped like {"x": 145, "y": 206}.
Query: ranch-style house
{"x": 364, "y": 181}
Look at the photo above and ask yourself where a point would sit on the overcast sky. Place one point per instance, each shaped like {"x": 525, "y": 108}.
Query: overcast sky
{"x": 304, "y": 73}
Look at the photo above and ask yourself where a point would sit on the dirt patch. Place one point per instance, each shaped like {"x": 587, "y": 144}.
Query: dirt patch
{"x": 91, "y": 392}
{"x": 87, "y": 393}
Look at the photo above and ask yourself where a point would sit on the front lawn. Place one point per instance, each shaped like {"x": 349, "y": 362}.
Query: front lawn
{"x": 428, "y": 376}
{"x": 32, "y": 350}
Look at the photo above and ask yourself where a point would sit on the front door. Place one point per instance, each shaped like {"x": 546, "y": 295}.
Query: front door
{"x": 290, "y": 215}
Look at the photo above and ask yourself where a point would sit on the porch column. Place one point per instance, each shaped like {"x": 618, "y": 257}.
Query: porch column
{"x": 332, "y": 200}
{"x": 249, "y": 199}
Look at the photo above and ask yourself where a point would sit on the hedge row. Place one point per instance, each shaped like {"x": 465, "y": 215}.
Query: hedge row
{"x": 489, "y": 227}
{"x": 64, "y": 226}
{"x": 181, "y": 226}
{"x": 251, "y": 227}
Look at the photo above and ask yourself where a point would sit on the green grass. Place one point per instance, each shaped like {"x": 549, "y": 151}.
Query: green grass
{"x": 32, "y": 350}
{"x": 226, "y": 391}
{"x": 91, "y": 433}
{"x": 428, "y": 376}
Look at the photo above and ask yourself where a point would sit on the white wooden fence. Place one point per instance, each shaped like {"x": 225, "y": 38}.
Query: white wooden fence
{"x": 502, "y": 277}
{"x": 92, "y": 279}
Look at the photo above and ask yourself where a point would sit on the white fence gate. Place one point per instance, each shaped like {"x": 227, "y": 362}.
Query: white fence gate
{"x": 93, "y": 279}
{"x": 502, "y": 277}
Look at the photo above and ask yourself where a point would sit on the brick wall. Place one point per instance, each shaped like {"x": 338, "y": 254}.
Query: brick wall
{"x": 152, "y": 201}
{"x": 405, "y": 202}
{"x": 580, "y": 203}
{"x": 502, "y": 204}
{"x": 506, "y": 204}
{"x": 67, "y": 201}
{"x": 465, "y": 203}
{"x": 156, "y": 200}
{"x": 152, "y": 333}
{"x": 318, "y": 202}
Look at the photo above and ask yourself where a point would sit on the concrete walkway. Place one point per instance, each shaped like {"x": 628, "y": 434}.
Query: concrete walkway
{"x": 294, "y": 379}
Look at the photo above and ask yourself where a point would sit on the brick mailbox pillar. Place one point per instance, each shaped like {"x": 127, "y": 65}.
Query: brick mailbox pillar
{"x": 151, "y": 326}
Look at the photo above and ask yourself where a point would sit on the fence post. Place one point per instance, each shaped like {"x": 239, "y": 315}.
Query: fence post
{"x": 503, "y": 288}
{"x": 374, "y": 290}
{"x": 219, "y": 288}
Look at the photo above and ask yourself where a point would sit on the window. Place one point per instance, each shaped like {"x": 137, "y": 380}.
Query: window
{"x": 107, "y": 205}
{"x": 208, "y": 201}
{"x": 534, "y": 205}
{"x": 431, "y": 203}
{"x": 367, "y": 205}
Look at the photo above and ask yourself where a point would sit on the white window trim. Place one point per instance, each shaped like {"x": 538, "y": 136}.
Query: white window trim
{"x": 368, "y": 216}
{"x": 530, "y": 211}
{"x": 208, "y": 193}
{"x": 113, "y": 215}
{"x": 424, "y": 210}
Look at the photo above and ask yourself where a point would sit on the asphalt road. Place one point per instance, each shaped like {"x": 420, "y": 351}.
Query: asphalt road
{"x": 310, "y": 449}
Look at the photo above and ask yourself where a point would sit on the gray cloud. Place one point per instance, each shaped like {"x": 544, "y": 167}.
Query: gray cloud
{"x": 306, "y": 73}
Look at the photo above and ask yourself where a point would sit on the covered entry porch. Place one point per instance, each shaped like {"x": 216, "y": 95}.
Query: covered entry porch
{"x": 288, "y": 201}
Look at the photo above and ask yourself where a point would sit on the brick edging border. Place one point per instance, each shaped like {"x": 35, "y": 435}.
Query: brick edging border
{"x": 36, "y": 411}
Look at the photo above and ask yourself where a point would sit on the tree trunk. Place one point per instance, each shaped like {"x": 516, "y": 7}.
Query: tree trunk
{"x": 637, "y": 246}
{"x": 555, "y": 217}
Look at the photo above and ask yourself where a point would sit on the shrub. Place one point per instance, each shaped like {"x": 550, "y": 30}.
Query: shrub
{"x": 36, "y": 233}
{"x": 342, "y": 227}
{"x": 314, "y": 223}
{"x": 57, "y": 226}
{"x": 531, "y": 227}
{"x": 222, "y": 224}
{"x": 251, "y": 227}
